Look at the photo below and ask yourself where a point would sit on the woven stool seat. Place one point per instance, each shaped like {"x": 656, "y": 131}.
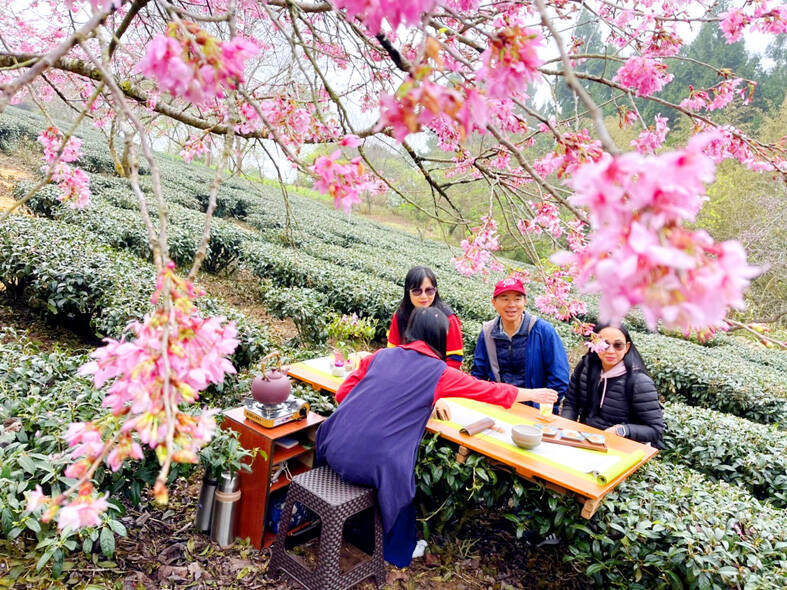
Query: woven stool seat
{"x": 323, "y": 492}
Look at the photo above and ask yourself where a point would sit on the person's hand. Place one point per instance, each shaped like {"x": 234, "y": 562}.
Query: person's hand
{"x": 614, "y": 429}
{"x": 441, "y": 410}
{"x": 543, "y": 395}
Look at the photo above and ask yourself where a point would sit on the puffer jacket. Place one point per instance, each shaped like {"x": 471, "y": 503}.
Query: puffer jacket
{"x": 642, "y": 415}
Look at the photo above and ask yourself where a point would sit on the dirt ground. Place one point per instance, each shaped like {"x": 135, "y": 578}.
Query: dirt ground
{"x": 164, "y": 551}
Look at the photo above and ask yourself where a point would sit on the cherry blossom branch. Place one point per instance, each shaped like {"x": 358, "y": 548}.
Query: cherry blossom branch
{"x": 58, "y": 155}
{"x": 573, "y": 83}
{"x": 127, "y": 20}
{"x": 47, "y": 61}
{"x": 746, "y": 327}
{"x": 214, "y": 189}
{"x": 120, "y": 103}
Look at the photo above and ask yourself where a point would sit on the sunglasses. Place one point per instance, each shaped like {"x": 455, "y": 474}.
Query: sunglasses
{"x": 618, "y": 345}
{"x": 429, "y": 291}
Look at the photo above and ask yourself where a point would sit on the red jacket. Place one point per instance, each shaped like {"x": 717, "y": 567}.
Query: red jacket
{"x": 453, "y": 343}
{"x": 452, "y": 383}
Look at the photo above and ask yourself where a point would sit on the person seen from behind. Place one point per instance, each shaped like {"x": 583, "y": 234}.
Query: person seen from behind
{"x": 372, "y": 438}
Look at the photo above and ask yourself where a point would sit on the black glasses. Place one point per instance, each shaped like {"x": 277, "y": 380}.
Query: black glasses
{"x": 429, "y": 291}
{"x": 618, "y": 345}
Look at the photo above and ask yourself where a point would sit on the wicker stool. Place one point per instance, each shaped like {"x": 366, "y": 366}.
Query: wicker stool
{"x": 322, "y": 491}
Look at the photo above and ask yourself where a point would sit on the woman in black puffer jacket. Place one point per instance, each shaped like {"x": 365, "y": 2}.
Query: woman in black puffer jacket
{"x": 611, "y": 390}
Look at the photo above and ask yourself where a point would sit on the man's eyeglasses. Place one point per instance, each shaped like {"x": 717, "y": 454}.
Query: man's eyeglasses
{"x": 619, "y": 345}
{"x": 429, "y": 291}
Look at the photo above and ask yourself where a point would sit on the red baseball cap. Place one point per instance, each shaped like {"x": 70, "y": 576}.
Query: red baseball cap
{"x": 509, "y": 284}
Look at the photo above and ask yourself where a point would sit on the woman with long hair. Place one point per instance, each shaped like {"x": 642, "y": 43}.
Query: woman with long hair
{"x": 372, "y": 438}
{"x": 420, "y": 290}
{"x": 611, "y": 390}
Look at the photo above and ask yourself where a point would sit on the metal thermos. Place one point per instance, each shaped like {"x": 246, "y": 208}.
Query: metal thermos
{"x": 205, "y": 504}
{"x": 225, "y": 509}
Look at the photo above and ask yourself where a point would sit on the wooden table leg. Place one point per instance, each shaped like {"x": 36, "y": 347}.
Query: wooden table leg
{"x": 461, "y": 454}
{"x": 590, "y": 506}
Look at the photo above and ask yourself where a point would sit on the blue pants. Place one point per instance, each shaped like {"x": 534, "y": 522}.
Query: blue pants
{"x": 399, "y": 542}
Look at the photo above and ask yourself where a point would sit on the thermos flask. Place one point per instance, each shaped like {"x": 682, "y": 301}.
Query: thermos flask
{"x": 205, "y": 504}
{"x": 225, "y": 509}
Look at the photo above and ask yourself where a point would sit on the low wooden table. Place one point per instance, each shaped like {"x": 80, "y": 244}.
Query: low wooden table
{"x": 530, "y": 467}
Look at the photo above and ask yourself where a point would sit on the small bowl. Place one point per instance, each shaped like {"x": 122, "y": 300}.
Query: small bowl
{"x": 526, "y": 436}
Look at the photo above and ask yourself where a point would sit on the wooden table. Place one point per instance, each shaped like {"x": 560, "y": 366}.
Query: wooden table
{"x": 529, "y": 467}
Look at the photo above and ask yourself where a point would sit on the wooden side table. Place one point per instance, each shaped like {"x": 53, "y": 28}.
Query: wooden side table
{"x": 256, "y": 486}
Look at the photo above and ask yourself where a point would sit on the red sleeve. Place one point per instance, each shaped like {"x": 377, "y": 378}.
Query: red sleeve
{"x": 394, "y": 338}
{"x": 454, "y": 348}
{"x": 454, "y": 383}
{"x": 353, "y": 378}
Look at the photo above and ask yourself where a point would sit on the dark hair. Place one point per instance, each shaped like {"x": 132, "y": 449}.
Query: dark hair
{"x": 430, "y": 325}
{"x": 415, "y": 276}
{"x": 631, "y": 360}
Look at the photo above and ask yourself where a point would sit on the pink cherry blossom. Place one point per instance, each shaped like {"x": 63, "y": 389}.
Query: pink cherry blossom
{"x": 195, "y": 351}
{"x": 97, "y": 5}
{"x": 644, "y": 75}
{"x": 639, "y": 252}
{"x": 190, "y": 64}
{"x": 74, "y": 183}
{"x": 477, "y": 250}
{"x": 36, "y": 499}
{"x": 372, "y": 12}
{"x": 511, "y": 61}
{"x": 651, "y": 138}
{"x": 345, "y": 182}
{"x": 84, "y": 511}
{"x": 732, "y": 24}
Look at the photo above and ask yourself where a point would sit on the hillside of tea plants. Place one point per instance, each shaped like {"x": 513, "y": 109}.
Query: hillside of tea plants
{"x": 708, "y": 512}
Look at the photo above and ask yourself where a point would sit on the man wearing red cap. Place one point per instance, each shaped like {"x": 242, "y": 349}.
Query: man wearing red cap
{"x": 518, "y": 348}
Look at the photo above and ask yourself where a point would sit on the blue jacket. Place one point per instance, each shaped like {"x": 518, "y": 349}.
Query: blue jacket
{"x": 537, "y": 360}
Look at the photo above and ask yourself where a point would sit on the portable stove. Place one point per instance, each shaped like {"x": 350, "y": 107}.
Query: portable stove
{"x": 289, "y": 410}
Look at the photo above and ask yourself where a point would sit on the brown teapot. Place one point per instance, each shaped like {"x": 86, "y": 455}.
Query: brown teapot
{"x": 273, "y": 387}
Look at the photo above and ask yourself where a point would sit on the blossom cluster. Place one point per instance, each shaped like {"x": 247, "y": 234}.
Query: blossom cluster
{"x": 344, "y": 181}
{"x": 652, "y": 138}
{"x": 73, "y": 182}
{"x": 557, "y": 300}
{"x": 511, "y": 62}
{"x": 644, "y": 75}
{"x": 765, "y": 17}
{"x": 189, "y": 63}
{"x": 96, "y": 5}
{"x": 372, "y": 12}
{"x": 173, "y": 355}
{"x": 640, "y": 253}
{"x": 418, "y": 104}
{"x": 546, "y": 218}
{"x": 195, "y": 147}
{"x": 722, "y": 94}
{"x": 477, "y": 250}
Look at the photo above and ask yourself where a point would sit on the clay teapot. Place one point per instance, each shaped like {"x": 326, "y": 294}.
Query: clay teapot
{"x": 273, "y": 387}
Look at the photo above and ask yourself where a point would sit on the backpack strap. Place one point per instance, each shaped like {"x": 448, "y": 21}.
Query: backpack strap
{"x": 533, "y": 320}
{"x": 491, "y": 349}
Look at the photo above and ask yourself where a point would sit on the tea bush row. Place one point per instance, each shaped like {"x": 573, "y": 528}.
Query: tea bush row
{"x": 123, "y": 229}
{"x": 725, "y": 447}
{"x": 21, "y": 126}
{"x": 666, "y": 526}
{"x": 90, "y": 288}
{"x": 715, "y": 378}
{"x": 38, "y": 396}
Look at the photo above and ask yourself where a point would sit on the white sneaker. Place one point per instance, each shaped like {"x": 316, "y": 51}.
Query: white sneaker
{"x": 420, "y": 549}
